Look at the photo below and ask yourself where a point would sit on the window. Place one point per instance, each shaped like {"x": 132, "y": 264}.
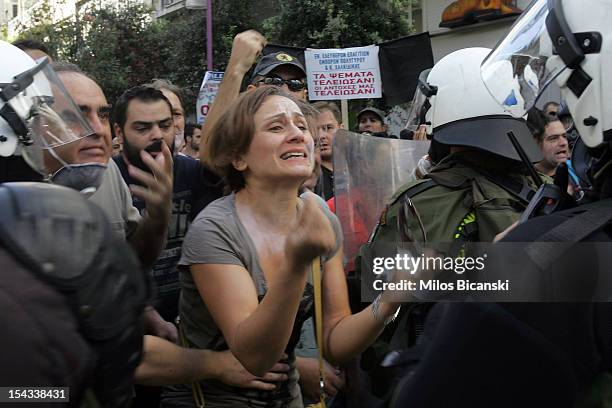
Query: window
{"x": 15, "y": 9}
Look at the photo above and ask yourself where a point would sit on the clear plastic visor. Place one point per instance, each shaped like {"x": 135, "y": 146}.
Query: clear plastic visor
{"x": 523, "y": 64}
{"x": 418, "y": 109}
{"x": 51, "y": 116}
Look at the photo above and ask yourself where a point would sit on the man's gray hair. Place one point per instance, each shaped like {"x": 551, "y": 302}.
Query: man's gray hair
{"x": 160, "y": 84}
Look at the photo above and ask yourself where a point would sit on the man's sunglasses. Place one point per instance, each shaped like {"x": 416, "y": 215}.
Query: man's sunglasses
{"x": 294, "y": 85}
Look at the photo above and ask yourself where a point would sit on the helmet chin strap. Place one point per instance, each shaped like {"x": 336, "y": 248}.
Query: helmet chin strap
{"x": 60, "y": 160}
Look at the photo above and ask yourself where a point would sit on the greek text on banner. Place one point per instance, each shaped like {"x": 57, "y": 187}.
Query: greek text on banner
{"x": 207, "y": 94}
{"x": 343, "y": 73}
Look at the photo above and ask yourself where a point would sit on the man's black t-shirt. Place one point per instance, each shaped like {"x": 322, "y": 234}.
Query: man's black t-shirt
{"x": 195, "y": 186}
{"x": 325, "y": 184}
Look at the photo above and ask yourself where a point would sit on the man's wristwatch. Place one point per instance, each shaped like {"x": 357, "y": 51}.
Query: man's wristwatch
{"x": 376, "y": 311}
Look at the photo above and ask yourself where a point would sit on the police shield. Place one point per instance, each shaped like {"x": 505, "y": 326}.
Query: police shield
{"x": 367, "y": 171}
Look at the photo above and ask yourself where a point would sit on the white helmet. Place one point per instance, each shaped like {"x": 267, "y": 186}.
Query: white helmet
{"x": 564, "y": 40}
{"x": 462, "y": 111}
{"x": 36, "y": 112}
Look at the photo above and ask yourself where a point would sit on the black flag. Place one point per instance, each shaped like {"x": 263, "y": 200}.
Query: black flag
{"x": 401, "y": 61}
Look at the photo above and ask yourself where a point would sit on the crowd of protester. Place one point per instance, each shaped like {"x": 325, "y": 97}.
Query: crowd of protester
{"x": 229, "y": 219}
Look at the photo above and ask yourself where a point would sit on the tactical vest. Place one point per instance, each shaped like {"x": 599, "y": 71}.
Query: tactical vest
{"x": 456, "y": 203}
{"x": 454, "y": 198}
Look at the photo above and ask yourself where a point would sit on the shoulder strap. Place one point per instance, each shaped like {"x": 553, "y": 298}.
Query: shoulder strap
{"x": 316, "y": 283}
{"x": 413, "y": 190}
{"x": 196, "y": 389}
{"x": 419, "y": 188}
{"x": 575, "y": 229}
{"x": 522, "y": 191}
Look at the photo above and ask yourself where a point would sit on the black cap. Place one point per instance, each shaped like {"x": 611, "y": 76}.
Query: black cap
{"x": 375, "y": 111}
{"x": 270, "y": 61}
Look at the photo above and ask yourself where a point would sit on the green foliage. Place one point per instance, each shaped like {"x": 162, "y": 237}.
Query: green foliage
{"x": 334, "y": 24}
{"x": 108, "y": 43}
{"x": 58, "y": 37}
{"x": 112, "y": 47}
{"x": 340, "y": 24}
{"x": 124, "y": 46}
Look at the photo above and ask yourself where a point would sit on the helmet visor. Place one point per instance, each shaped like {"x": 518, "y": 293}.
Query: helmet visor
{"x": 420, "y": 103}
{"x": 51, "y": 116}
{"x": 523, "y": 64}
{"x": 417, "y": 111}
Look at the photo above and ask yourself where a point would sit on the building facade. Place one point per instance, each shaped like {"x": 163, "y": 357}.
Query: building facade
{"x": 9, "y": 9}
{"x": 15, "y": 15}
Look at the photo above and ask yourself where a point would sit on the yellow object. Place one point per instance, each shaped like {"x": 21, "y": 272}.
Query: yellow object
{"x": 316, "y": 283}
{"x": 461, "y": 12}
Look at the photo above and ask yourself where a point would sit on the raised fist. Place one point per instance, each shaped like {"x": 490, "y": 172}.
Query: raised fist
{"x": 312, "y": 234}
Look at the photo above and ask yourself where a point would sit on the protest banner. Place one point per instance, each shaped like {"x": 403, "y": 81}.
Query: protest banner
{"x": 206, "y": 96}
{"x": 343, "y": 73}
{"x": 400, "y": 60}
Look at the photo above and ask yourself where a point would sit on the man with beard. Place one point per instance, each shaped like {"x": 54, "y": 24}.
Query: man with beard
{"x": 193, "y": 134}
{"x": 144, "y": 122}
{"x": 554, "y": 146}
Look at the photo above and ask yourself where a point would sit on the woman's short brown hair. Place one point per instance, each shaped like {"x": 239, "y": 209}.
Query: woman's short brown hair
{"x": 310, "y": 114}
{"x": 233, "y": 133}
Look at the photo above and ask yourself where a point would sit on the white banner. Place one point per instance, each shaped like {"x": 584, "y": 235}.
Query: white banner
{"x": 206, "y": 96}
{"x": 343, "y": 73}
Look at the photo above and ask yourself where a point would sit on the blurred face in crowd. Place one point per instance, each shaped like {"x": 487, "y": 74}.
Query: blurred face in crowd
{"x": 96, "y": 110}
{"x": 554, "y": 146}
{"x": 195, "y": 139}
{"x": 282, "y": 146}
{"x": 371, "y": 123}
{"x": 147, "y": 125}
{"x": 178, "y": 114}
{"x": 328, "y": 126}
{"x": 117, "y": 147}
{"x": 551, "y": 109}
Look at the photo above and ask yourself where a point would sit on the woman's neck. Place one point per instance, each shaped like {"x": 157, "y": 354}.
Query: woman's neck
{"x": 275, "y": 206}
